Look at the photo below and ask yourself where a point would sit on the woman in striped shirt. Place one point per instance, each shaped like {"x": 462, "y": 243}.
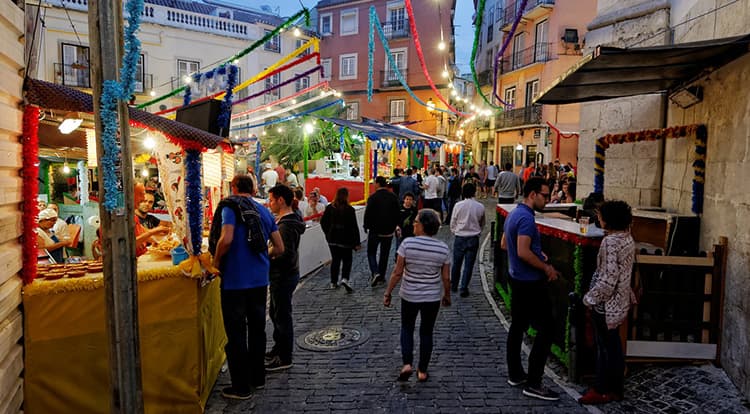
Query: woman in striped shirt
{"x": 423, "y": 262}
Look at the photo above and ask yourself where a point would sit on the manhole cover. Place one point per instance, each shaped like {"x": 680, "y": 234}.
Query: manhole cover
{"x": 333, "y": 338}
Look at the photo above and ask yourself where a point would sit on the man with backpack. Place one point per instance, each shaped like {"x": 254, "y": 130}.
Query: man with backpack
{"x": 239, "y": 243}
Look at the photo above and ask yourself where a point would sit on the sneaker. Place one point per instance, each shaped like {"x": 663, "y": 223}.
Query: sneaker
{"x": 592, "y": 397}
{"x": 270, "y": 355}
{"x": 514, "y": 382}
{"x": 374, "y": 279}
{"x": 235, "y": 394}
{"x": 345, "y": 284}
{"x": 540, "y": 392}
{"x": 333, "y": 286}
{"x": 277, "y": 364}
{"x": 380, "y": 280}
{"x": 464, "y": 293}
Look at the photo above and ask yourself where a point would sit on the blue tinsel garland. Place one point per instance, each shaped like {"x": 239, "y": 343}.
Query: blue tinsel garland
{"x": 193, "y": 197}
{"x": 111, "y": 92}
{"x": 226, "y": 105}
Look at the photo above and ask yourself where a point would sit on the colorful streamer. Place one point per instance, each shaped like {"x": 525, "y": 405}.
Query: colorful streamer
{"x": 505, "y": 45}
{"x": 30, "y": 174}
{"x": 280, "y": 111}
{"x": 290, "y": 117}
{"x": 474, "y": 48}
{"x": 323, "y": 84}
{"x": 193, "y": 199}
{"x": 281, "y": 84}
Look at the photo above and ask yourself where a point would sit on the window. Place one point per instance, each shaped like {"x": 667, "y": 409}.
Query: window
{"x": 510, "y": 96}
{"x": 518, "y": 43}
{"x": 274, "y": 44}
{"x": 532, "y": 90}
{"x": 326, "y": 63}
{"x": 399, "y": 57}
{"x": 397, "y": 20}
{"x": 348, "y": 66}
{"x": 352, "y": 111}
{"x": 490, "y": 57}
{"x": 490, "y": 14}
{"x": 326, "y": 24}
{"x": 242, "y": 93}
{"x": 541, "y": 47}
{"x": 186, "y": 67}
{"x": 530, "y": 154}
{"x": 298, "y": 44}
{"x": 75, "y": 66}
{"x": 490, "y": 31}
{"x": 301, "y": 83}
{"x": 270, "y": 82}
{"x": 349, "y": 22}
{"x": 506, "y": 156}
{"x": 398, "y": 110}
{"x": 140, "y": 75}
{"x": 499, "y": 11}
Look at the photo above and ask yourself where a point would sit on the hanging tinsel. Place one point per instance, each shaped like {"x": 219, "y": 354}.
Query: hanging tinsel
{"x": 30, "y": 174}
{"x": 193, "y": 199}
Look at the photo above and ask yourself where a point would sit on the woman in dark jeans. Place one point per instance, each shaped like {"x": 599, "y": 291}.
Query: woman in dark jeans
{"x": 339, "y": 224}
{"x": 423, "y": 262}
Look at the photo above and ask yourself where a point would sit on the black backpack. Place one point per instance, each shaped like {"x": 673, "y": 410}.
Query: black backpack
{"x": 257, "y": 239}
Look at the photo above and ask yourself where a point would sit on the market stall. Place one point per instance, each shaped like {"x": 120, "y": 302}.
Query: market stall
{"x": 181, "y": 332}
{"x": 573, "y": 253}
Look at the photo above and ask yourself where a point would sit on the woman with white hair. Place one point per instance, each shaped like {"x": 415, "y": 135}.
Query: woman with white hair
{"x": 46, "y": 237}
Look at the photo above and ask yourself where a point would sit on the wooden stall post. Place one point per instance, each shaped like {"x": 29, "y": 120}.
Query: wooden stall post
{"x": 120, "y": 281}
{"x": 366, "y": 175}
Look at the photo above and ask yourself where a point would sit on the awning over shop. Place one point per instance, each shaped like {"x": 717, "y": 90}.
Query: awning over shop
{"x": 48, "y": 95}
{"x": 375, "y": 130}
{"x": 611, "y": 72}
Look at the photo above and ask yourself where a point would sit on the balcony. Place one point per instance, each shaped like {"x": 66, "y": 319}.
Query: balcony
{"x": 485, "y": 77}
{"x": 390, "y": 77}
{"x": 541, "y": 52}
{"x": 394, "y": 119}
{"x": 530, "y": 115}
{"x": 533, "y": 9}
{"x": 396, "y": 29}
{"x": 76, "y": 75}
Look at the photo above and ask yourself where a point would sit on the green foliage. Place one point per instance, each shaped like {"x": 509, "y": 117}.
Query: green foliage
{"x": 284, "y": 141}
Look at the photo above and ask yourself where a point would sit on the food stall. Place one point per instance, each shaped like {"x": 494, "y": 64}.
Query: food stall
{"x": 181, "y": 332}
{"x": 573, "y": 252}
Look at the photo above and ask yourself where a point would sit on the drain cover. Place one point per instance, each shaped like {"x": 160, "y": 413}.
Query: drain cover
{"x": 333, "y": 338}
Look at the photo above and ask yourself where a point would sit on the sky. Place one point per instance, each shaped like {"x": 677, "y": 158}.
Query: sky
{"x": 462, "y": 21}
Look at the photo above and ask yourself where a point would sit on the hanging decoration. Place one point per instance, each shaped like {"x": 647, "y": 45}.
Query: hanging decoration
{"x": 278, "y": 112}
{"x": 268, "y": 36}
{"x": 112, "y": 91}
{"x": 30, "y": 174}
{"x": 434, "y": 146}
{"x": 384, "y": 144}
{"x": 375, "y": 24}
{"x": 193, "y": 200}
{"x": 91, "y": 148}
{"x": 401, "y": 144}
{"x": 281, "y": 84}
{"x": 341, "y": 139}
{"x": 700, "y": 133}
{"x": 560, "y": 134}
{"x": 323, "y": 84}
{"x": 170, "y": 159}
{"x": 207, "y": 85}
{"x": 290, "y": 117}
{"x": 506, "y": 43}
{"x": 83, "y": 182}
{"x": 474, "y": 48}
{"x": 420, "y": 55}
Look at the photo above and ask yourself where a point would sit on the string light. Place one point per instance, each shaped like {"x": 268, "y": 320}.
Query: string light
{"x": 297, "y": 32}
{"x": 441, "y": 45}
{"x": 152, "y": 93}
{"x": 149, "y": 142}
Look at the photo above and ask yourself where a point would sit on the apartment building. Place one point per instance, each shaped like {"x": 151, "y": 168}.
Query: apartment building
{"x": 344, "y": 26}
{"x": 178, "y": 38}
{"x": 547, "y": 41}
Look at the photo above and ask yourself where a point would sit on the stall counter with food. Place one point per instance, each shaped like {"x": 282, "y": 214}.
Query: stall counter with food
{"x": 181, "y": 335}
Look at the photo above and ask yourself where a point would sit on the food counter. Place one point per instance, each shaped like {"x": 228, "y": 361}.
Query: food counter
{"x": 328, "y": 187}
{"x": 574, "y": 254}
{"x": 66, "y": 361}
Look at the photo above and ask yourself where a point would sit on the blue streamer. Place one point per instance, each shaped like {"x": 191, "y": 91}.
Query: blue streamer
{"x": 290, "y": 117}
{"x": 341, "y": 139}
{"x": 370, "y": 59}
{"x": 375, "y": 24}
{"x": 258, "y": 153}
{"x": 193, "y": 197}
{"x": 112, "y": 91}
{"x": 225, "y": 114}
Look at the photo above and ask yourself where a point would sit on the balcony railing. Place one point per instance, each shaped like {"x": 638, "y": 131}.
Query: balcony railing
{"x": 394, "y": 119}
{"x": 529, "y": 115}
{"x": 390, "y": 77}
{"x": 396, "y": 29}
{"x": 76, "y": 75}
{"x": 485, "y": 77}
{"x": 541, "y": 52}
{"x": 512, "y": 10}
{"x": 144, "y": 85}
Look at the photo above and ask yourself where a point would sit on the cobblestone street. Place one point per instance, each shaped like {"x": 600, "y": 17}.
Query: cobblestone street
{"x": 467, "y": 372}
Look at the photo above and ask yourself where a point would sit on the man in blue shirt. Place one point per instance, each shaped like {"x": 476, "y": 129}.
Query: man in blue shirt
{"x": 530, "y": 304}
{"x": 244, "y": 283}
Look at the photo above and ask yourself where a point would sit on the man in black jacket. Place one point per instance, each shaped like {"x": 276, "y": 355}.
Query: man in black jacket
{"x": 283, "y": 275}
{"x": 381, "y": 218}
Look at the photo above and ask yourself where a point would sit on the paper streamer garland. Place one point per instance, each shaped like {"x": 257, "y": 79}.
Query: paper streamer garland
{"x": 30, "y": 176}
{"x": 474, "y": 48}
{"x": 700, "y": 133}
{"x": 505, "y": 45}
{"x": 83, "y": 182}
{"x": 193, "y": 200}
{"x": 290, "y": 117}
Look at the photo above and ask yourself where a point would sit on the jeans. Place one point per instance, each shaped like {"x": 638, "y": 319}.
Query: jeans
{"x": 530, "y": 305}
{"x": 340, "y": 255}
{"x": 610, "y": 361}
{"x": 280, "y": 312}
{"x": 378, "y": 265}
{"x": 409, "y": 311}
{"x": 450, "y": 202}
{"x": 244, "y": 313}
{"x": 464, "y": 252}
{"x": 435, "y": 204}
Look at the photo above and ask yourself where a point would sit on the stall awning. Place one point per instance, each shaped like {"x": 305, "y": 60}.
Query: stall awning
{"x": 611, "y": 72}
{"x": 49, "y": 95}
{"x": 375, "y": 130}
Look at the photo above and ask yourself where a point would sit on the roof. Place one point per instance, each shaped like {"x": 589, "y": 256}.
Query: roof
{"x": 208, "y": 8}
{"x": 326, "y": 3}
{"x": 62, "y": 98}
{"x": 376, "y": 130}
{"x": 611, "y": 72}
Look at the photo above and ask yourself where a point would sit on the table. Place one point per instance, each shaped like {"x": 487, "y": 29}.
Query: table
{"x": 66, "y": 354}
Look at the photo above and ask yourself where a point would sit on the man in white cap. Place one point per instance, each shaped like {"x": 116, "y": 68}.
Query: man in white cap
{"x": 46, "y": 237}
{"x": 269, "y": 178}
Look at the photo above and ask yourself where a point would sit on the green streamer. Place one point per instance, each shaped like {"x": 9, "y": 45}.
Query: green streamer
{"x": 304, "y": 12}
{"x": 475, "y": 46}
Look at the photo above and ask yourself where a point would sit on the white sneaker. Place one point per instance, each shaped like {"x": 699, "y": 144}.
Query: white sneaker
{"x": 345, "y": 284}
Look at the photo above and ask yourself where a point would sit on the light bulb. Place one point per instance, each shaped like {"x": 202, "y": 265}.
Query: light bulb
{"x": 279, "y": 129}
{"x": 149, "y": 142}
{"x": 294, "y": 101}
{"x": 297, "y": 32}
{"x": 264, "y": 133}
{"x": 152, "y": 93}
{"x": 236, "y": 61}
{"x": 445, "y": 74}
{"x": 268, "y": 109}
{"x": 66, "y": 169}
{"x": 441, "y": 45}
{"x": 188, "y": 79}
{"x": 144, "y": 172}
{"x": 309, "y": 128}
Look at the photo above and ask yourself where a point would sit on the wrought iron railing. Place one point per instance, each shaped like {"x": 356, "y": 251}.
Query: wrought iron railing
{"x": 394, "y": 119}
{"x": 529, "y": 115}
{"x": 512, "y": 9}
{"x": 390, "y": 77}
{"x": 540, "y": 52}
{"x": 396, "y": 29}
{"x": 77, "y": 75}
